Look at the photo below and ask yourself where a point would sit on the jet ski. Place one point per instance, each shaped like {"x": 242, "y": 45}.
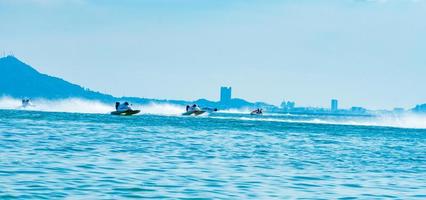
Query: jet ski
{"x": 125, "y": 113}
{"x": 194, "y": 112}
{"x": 257, "y": 112}
{"x": 124, "y": 109}
{"x": 26, "y": 103}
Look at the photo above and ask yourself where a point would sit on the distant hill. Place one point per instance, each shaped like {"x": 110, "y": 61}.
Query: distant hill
{"x": 20, "y": 80}
{"x": 420, "y": 108}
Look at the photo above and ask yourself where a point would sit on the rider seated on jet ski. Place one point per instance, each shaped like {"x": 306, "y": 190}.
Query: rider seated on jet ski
{"x": 258, "y": 111}
{"x": 26, "y": 102}
{"x": 122, "y": 107}
{"x": 193, "y": 108}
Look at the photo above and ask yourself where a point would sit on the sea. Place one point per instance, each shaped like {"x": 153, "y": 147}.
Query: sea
{"x": 66, "y": 153}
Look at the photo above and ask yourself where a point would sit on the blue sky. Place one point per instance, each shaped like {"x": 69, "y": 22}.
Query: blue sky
{"x": 364, "y": 53}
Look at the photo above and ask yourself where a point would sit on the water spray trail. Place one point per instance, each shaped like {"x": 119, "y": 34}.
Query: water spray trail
{"x": 161, "y": 109}
{"x": 73, "y": 105}
{"x": 409, "y": 120}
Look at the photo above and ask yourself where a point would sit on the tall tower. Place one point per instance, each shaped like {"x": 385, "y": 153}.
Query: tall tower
{"x": 334, "y": 105}
{"x": 225, "y": 94}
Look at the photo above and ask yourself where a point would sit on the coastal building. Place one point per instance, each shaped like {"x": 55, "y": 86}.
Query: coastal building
{"x": 225, "y": 94}
{"x": 288, "y": 105}
{"x": 420, "y": 108}
{"x": 358, "y": 110}
{"x": 334, "y": 105}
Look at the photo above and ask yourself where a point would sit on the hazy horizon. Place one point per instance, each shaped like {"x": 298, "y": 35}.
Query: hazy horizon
{"x": 363, "y": 53}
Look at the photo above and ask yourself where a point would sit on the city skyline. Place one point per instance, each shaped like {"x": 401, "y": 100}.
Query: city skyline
{"x": 363, "y": 53}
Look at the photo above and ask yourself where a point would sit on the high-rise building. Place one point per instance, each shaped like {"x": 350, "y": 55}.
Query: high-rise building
{"x": 334, "y": 105}
{"x": 291, "y": 105}
{"x": 225, "y": 94}
{"x": 288, "y": 105}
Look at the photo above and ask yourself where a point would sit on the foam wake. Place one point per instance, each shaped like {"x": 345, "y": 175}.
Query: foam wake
{"x": 236, "y": 111}
{"x": 76, "y": 105}
{"x": 244, "y": 111}
{"x": 161, "y": 109}
{"x": 408, "y": 120}
{"x": 72, "y": 105}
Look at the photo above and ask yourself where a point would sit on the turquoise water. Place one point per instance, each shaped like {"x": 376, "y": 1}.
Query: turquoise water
{"x": 221, "y": 156}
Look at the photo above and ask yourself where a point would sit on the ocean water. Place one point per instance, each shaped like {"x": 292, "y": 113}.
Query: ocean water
{"x": 230, "y": 155}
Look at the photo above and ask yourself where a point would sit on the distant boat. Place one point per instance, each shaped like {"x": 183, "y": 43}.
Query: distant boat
{"x": 26, "y": 103}
{"x": 124, "y": 109}
{"x": 257, "y": 112}
{"x": 193, "y": 110}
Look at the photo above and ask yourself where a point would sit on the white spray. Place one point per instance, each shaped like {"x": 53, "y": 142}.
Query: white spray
{"x": 76, "y": 105}
{"x": 161, "y": 109}
{"x": 72, "y": 105}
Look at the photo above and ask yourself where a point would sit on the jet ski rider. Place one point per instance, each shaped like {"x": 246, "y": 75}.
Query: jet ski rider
{"x": 192, "y": 108}
{"x": 122, "y": 107}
